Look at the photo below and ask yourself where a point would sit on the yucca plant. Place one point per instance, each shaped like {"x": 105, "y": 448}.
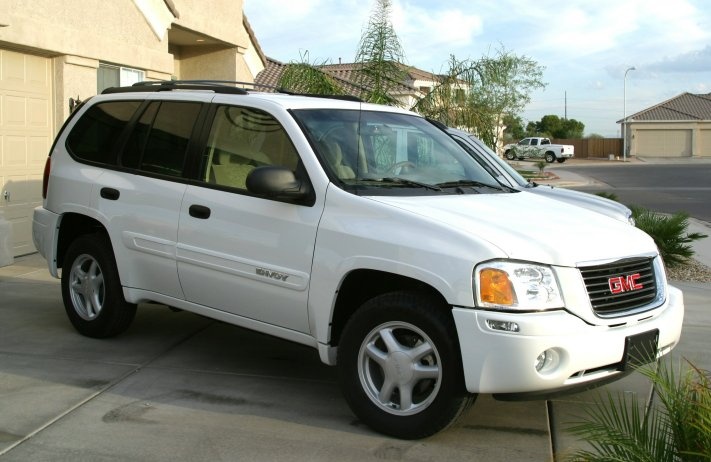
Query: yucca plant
{"x": 674, "y": 427}
{"x": 541, "y": 164}
{"x": 669, "y": 233}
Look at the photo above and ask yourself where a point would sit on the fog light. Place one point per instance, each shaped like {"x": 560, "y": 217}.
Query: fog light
{"x": 505, "y": 326}
{"x": 547, "y": 361}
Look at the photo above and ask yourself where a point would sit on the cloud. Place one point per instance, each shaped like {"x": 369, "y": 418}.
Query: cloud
{"x": 431, "y": 35}
{"x": 693, "y": 61}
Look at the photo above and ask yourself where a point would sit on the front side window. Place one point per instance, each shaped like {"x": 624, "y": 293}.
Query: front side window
{"x": 242, "y": 139}
{"x": 382, "y": 152}
{"x": 96, "y": 133}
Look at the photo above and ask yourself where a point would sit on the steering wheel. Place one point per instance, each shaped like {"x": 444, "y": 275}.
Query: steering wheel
{"x": 405, "y": 166}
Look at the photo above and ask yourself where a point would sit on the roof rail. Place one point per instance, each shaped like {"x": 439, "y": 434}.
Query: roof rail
{"x": 217, "y": 86}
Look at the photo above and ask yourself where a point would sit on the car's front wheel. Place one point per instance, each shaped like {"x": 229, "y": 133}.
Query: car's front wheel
{"x": 91, "y": 289}
{"x": 400, "y": 367}
{"x": 510, "y": 154}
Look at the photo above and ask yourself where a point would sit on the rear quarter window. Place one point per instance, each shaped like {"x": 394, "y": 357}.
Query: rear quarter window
{"x": 93, "y": 138}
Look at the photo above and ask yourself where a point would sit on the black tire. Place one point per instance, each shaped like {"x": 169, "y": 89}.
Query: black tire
{"x": 561, "y": 160}
{"x": 550, "y": 157}
{"x": 510, "y": 155}
{"x": 91, "y": 289}
{"x": 415, "y": 407}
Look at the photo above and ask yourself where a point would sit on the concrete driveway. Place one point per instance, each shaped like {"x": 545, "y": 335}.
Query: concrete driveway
{"x": 177, "y": 386}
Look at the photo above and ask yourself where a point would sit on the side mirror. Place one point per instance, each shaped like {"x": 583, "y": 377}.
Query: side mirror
{"x": 277, "y": 183}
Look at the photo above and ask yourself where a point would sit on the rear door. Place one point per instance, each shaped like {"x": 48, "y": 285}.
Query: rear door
{"x": 239, "y": 253}
{"x": 140, "y": 193}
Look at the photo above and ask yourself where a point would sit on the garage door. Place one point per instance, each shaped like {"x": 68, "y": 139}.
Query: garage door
{"x": 663, "y": 143}
{"x": 25, "y": 138}
{"x": 704, "y": 144}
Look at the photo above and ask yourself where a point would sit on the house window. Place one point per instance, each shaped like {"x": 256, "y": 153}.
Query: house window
{"x": 116, "y": 76}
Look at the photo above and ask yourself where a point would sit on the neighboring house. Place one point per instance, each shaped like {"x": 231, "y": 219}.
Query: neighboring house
{"x": 55, "y": 53}
{"x": 416, "y": 84}
{"x": 679, "y": 127}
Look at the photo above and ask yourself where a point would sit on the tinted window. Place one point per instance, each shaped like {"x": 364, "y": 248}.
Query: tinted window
{"x": 96, "y": 133}
{"x": 159, "y": 141}
{"x": 167, "y": 142}
{"x": 242, "y": 139}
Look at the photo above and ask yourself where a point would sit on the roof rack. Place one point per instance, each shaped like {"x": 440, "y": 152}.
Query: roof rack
{"x": 217, "y": 86}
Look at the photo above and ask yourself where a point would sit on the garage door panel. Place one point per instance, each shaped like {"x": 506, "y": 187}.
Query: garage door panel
{"x": 37, "y": 150}
{"x": 13, "y": 112}
{"x": 14, "y": 151}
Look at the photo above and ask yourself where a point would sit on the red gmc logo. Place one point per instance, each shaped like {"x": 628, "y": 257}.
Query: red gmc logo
{"x": 621, "y": 284}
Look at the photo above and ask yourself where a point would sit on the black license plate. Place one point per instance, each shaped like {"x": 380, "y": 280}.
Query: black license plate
{"x": 640, "y": 349}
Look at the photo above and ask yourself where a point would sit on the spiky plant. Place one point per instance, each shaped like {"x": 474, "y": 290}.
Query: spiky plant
{"x": 674, "y": 427}
{"x": 380, "y": 55}
{"x": 541, "y": 164}
{"x": 307, "y": 78}
{"x": 669, "y": 233}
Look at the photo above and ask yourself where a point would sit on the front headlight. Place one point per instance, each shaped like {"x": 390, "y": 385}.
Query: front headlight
{"x": 521, "y": 286}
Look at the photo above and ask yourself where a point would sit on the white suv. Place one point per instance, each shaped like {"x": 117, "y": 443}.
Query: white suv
{"x": 361, "y": 230}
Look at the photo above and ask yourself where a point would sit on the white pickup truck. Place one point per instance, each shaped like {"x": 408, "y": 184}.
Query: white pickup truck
{"x": 536, "y": 147}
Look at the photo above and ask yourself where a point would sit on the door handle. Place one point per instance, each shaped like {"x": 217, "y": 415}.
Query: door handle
{"x": 199, "y": 211}
{"x": 6, "y": 195}
{"x": 110, "y": 193}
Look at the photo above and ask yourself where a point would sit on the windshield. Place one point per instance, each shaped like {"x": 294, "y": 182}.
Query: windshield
{"x": 372, "y": 152}
{"x": 517, "y": 177}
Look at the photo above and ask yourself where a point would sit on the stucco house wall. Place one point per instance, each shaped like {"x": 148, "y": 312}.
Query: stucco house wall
{"x": 54, "y": 53}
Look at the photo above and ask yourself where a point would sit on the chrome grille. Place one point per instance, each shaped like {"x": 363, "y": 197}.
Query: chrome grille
{"x": 623, "y": 277}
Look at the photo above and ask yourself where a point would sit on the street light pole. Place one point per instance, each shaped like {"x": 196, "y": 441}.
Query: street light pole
{"x": 624, "y": 114}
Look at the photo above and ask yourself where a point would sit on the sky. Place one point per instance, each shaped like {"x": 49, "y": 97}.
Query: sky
{"x": 584, "y": 46}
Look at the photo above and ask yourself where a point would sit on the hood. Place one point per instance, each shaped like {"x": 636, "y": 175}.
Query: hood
{"x": 531, "y": 227}
{"x": 589, "y": 201}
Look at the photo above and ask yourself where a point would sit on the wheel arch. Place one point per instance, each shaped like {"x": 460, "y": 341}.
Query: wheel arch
{"x": 363, "y": 284}
{"x": 72, "y": 226}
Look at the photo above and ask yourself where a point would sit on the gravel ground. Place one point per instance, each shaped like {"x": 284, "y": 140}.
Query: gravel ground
{"x": 692, "y": 271}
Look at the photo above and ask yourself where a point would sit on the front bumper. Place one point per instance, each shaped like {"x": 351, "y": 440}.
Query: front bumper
{"x": 501, "y": 362}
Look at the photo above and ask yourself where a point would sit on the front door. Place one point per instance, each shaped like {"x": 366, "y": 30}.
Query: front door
{"x": 238, "y": 253}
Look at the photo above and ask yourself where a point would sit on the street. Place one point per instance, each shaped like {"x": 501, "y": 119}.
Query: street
{"x": 668, "y": 188}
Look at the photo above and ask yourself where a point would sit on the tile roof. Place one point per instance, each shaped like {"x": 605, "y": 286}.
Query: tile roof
{"x": 346, "y": 75}
{"x": 686, "y": 106}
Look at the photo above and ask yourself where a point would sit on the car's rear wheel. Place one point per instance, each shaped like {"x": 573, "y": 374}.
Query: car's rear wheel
{"x": 91, "y": 289}
{"x": 550, "y": 157}
{"x": 561, "y": 160}
{"x": 400, "y": 367}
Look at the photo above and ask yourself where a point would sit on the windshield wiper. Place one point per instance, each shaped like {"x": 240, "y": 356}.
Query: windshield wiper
{"x": 406, "y": 182}
{"x": 464, "y": 183}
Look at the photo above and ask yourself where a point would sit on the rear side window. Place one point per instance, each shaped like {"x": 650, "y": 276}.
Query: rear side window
{"x": 159, "y": 141}
{"x": 96, "y": 133}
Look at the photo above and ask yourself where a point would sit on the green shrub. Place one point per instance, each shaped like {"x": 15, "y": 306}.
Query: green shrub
{"x": 674, "y": 426}
{"x": 608, "y": 195}
{"x": 669, "y": 233}
{"x": 541, "y": 164}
